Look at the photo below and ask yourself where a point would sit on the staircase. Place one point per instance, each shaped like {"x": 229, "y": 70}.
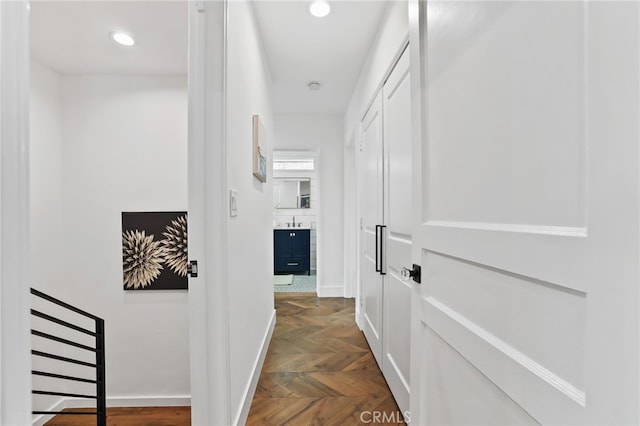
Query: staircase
{"x": 70, "y": 349}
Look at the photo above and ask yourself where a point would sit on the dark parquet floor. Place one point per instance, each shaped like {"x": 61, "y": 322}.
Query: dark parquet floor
{"x": 319, "y": 369}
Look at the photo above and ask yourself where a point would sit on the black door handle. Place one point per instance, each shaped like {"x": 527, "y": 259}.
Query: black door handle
{"x": 192, "y": 268}
{"x": 382, "y": 272}
{"x": 377, "y": 249}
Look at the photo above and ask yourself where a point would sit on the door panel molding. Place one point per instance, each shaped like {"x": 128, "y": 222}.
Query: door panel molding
{"x": 470, "y": 398}
{"x": 563, "y": 231}
{"x": 541, "y": 257}
{"x": 451, "y": 325}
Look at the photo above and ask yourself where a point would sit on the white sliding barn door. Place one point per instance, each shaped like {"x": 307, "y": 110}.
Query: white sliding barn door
{"x": 372, "y": 199}
{"x": 397, "y": 236}
{"x": 526, "y": 215}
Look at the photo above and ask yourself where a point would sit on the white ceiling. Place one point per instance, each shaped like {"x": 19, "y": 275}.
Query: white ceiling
{"x": 72, "y": 37}
{"x": 301, "y": 48}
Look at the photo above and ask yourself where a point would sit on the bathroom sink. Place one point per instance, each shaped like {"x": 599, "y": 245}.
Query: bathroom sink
{"x": 291, "y": 227}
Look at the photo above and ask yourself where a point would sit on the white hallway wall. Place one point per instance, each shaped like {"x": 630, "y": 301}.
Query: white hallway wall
{"x": 392, "y": 34}
{"x": 46, "y": 174}
{"x": 46, "y": 208}
{"x": 249, "y": 234}
{"x": 323, "y": 133}
{"x": 102, "y": 145}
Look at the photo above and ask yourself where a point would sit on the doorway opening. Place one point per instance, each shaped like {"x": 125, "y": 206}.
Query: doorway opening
{"x": 296, "y": 198}
{"x": 108, "y": 134}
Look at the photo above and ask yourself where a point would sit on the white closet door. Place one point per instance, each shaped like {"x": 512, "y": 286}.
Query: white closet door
{"x": 527, "y": 229}
{"x": 398, "y": 221}
{"x": 372, "y": 218}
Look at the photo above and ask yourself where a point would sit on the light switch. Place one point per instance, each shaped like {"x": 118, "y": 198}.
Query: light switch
{"x": 233, "y": 202}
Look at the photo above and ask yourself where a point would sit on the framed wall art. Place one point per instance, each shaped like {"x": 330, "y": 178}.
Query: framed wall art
{"x": 259, "y": 150}
{"x": 154, "y": 250}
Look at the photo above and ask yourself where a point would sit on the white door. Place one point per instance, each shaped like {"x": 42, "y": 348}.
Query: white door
{"x": 526, "y": 203}
{"x": 372, "y": 219}
{"x": 397, "y": 234}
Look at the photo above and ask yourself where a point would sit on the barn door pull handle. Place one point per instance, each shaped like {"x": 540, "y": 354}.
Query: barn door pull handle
{"x": 382, "y": 272}
{"x": 377, "y": 249}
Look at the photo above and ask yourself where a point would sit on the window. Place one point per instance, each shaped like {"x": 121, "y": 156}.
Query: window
{"x": 294, "y": 164}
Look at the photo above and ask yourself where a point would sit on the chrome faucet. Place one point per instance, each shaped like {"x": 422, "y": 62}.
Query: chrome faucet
{"x": 294, "y": 221}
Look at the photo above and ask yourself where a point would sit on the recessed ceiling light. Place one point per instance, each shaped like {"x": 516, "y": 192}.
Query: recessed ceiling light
{"x": 314, "y": 85}
{"x": 122, "y": 38}
{"x": 319, "y": 8}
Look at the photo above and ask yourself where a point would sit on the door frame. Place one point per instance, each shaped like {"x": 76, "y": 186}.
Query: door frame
{"x": 209, "y": 332}
{"x": 417, "y": 19}
{"x": 208, "y": 310}
{"x": 351, "y": 213}
{"x": 296, "y": 153}
{"x": 15, "y": 338}
{"x": 359, "y": 171}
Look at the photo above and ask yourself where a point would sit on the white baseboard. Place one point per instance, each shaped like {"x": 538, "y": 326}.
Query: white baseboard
{"x": 250, "y": 390}
{"x": 330, "y": 291}
{"x": 149, "y": 401}
{"x": 41, "y": 419}
{"x": 118, "y": 401}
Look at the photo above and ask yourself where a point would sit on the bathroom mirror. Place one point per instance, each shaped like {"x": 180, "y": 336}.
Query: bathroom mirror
{"x": 291, "y": 193}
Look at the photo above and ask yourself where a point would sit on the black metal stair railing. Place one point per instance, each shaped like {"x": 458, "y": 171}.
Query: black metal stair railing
{"x": 99, "y": 365}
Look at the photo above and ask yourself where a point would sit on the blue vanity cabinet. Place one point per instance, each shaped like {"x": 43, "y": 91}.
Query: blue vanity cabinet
{"x": 291, "y": 250}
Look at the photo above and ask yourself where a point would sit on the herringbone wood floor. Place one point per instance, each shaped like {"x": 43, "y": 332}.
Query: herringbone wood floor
{"x": 319, "y": 369}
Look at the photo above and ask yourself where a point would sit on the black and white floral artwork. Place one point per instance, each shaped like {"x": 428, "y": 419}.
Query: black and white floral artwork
{"x": 154, "y": 250}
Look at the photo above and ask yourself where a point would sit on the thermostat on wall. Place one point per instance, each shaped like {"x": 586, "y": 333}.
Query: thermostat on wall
{"x": 233, "y": 202}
